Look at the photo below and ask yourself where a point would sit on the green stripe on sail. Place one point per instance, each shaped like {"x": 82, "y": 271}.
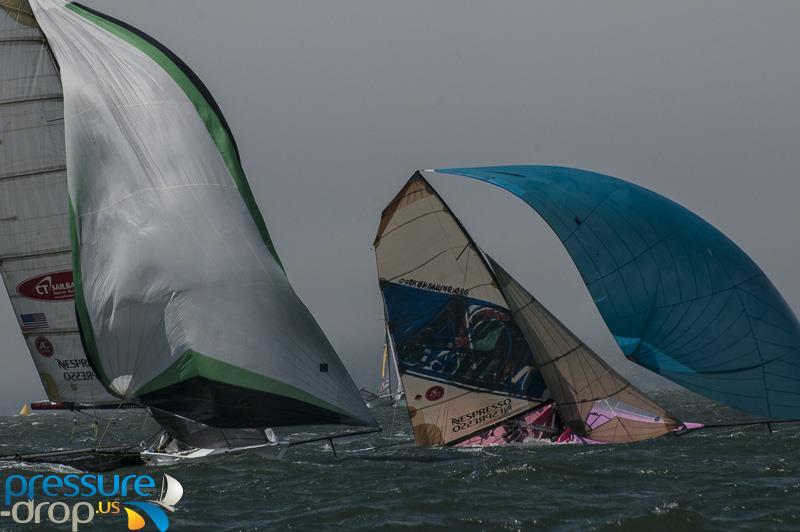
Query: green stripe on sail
{"x": 194, "y": 364}
{"x": 212, "y": 121}
{"x": 80, "y": 300}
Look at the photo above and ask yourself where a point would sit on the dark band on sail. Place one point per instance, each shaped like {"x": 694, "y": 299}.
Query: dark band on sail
{"x": 222, "y": 405}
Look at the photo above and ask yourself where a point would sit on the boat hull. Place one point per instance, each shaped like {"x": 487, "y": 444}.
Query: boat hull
{"x": 272, "y": 451}
{"x": 394, "y": 400}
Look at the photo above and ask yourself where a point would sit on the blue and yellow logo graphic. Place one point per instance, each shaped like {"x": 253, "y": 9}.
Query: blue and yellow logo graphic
{"x": 171, "y": 493}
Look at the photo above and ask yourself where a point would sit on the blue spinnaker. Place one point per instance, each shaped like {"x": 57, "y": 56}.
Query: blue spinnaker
{"x": 679, "y": 297}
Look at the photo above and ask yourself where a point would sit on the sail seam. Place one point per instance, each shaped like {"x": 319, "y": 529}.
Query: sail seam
{"x": 595, "y": 399}
{"x": 710, "y": 294}
{"x": 34, "y": 173}
{"x": 415, "y": 268}
{"x": 21, "y": 256}
{"x": 556, "y": 359}
{"x": 9, "y": 40}
{"x": 423, "y": 215}
{"x": 26, "y": 99}
{"x": 50, "y": 332}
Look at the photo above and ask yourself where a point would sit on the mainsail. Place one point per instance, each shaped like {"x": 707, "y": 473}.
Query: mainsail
{"x": 464, "y": 364}
{"x": 595, "y": 402}
{"x": 680, "y": 298}
{"x": 35, "y": 257}
{"x": 180, "y": 293}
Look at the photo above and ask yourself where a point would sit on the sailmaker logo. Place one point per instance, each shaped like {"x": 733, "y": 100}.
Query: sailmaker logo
{"x": 55, "y": 286}
{"x": 44, "y": 346}
{"x": 24, "y": 502}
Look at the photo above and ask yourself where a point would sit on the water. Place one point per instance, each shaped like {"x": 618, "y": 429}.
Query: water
{"x": 725, "y": 479}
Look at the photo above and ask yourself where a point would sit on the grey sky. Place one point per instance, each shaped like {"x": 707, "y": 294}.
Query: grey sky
{"x": 333, "y": 104}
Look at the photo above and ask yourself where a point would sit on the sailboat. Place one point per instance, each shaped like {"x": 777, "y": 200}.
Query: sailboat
{"x": 482, "y": 362}
{"x": 171, "y": 493}
{"x": 387, "y": 393}
{"x": 468, "y": 333}
{"x": 183, "y": 306}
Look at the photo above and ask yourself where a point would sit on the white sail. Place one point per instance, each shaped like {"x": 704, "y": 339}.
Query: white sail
{"x": 172, "y": 493}
{"x": 35, "y": 257}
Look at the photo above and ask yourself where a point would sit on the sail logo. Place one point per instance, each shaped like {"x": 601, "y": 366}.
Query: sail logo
{"x": 31, "y": 322}
{"x": 44, "y": 346}
{"x": 56, "y": 286}
{"x": 436, "y": 287}
{"x": 434, "y": 393}
{"x": 84, "y": 369}
{"x": 23, "y": 499}
{"x": 481, "y": 415}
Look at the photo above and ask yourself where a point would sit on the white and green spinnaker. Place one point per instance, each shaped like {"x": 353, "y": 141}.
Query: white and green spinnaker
{"x": 182, "y": 299}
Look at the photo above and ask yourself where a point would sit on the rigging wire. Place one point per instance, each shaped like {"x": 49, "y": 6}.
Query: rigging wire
{"x": 108, "y": 425}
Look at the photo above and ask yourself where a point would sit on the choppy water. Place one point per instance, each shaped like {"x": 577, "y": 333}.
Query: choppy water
{"x": 725, "y": 479}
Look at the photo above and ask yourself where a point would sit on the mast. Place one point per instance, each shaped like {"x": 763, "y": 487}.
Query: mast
{"x": 35, "y": 252}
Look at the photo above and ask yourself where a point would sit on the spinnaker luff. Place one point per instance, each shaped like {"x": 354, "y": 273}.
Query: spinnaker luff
{"x": 680, "y": 298}
{"x": 180, "y": 294}
{"x": 480, "y": 364}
